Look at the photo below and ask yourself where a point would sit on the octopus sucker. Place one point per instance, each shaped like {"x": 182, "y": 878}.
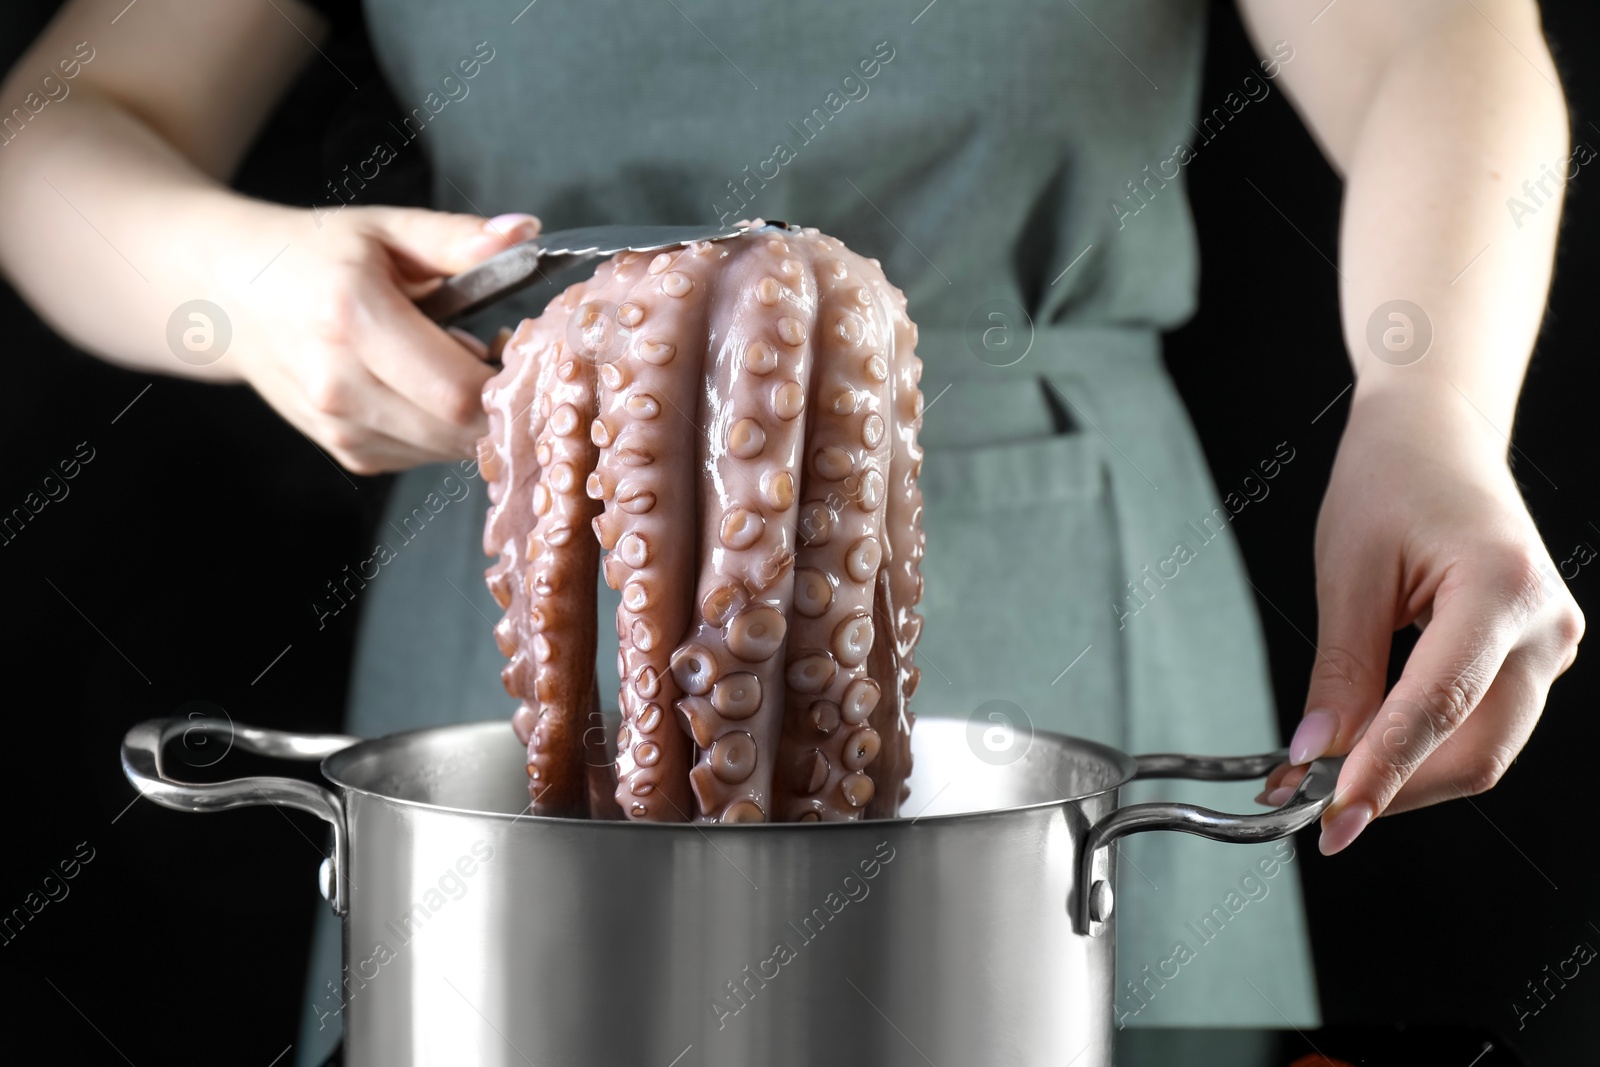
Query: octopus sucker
{"x": 734, "y": 426}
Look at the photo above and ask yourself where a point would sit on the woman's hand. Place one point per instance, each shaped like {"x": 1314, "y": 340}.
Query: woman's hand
{"x": 331, "y": 338}
{"x": 319, "y": 304}
{"x": 1433, "y": 112}
{"x": 1422, "y": 524}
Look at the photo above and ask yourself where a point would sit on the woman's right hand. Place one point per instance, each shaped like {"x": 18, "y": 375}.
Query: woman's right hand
{"x": 160, "y": 116}
{"x": 331, "y": 337}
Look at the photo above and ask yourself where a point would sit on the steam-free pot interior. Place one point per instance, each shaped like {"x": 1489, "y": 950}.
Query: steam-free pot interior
{"x": 479, "y": 767}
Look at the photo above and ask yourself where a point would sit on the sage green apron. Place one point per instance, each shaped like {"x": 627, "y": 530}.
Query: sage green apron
{"x": 975, "y": 149}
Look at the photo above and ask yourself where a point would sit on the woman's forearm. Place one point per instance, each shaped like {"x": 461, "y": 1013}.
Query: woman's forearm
{"x": 114, "y": 217}
{"x": 113, "y": 210}
{"x": 1445, "y": 118}
{"x": 1452, "y": 202}
{"x": 107, "y": 229}
{"x": 1436, "y": 112}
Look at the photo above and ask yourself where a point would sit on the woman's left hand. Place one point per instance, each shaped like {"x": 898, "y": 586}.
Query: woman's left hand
{"x": 1423, "y": 524}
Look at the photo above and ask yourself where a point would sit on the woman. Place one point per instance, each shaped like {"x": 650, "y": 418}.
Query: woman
{"x": 1018, "y": 170}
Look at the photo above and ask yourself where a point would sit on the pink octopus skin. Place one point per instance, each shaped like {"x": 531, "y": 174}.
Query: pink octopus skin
{"x": 539, "y": 436}
{"x": 900, "y": 580}
{"x": 649, "y": 379}
{"x": 828, "y": 743}
{"x": 755, "y": 431}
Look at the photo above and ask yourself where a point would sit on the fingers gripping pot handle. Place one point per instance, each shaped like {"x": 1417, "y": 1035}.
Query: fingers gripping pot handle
{"x": 142, "y": 763}
{"x": 1092, "y": 890}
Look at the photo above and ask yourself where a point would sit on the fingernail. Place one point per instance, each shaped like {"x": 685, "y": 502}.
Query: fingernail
{"x": 1261, "y": 797}
{"x": 515, "y": 226}
{"x": 1313, "y": 737}
{"x": 1279, "y": 796}
{"x": 1344, "y": 827}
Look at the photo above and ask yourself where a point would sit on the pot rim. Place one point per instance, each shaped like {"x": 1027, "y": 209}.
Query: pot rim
{"x": 330, "y": 766}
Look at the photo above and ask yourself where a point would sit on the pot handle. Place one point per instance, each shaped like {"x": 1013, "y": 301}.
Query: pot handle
{"x": 1092, "y": 906}
{"x": 141, "y": 762}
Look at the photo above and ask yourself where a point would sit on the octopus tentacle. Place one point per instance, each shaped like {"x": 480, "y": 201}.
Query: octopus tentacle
{"x": 562, "y": 563}
{"x": 513, "y": 400}
{"x": 829, "y": 745}
{"x": 731, "y": 666}
{"x": 901, "y": 579}
{"x": 646, "y": 476}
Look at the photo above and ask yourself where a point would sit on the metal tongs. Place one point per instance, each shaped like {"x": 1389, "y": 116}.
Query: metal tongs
{"x": 553, "y": 253}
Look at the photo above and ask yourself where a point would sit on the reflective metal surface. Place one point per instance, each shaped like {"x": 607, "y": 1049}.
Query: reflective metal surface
{"x": 141, "y": 762}
{"x": 548, "y": 254}
{"x": 479, "y": 934}
{"x": 1304, "y": 807}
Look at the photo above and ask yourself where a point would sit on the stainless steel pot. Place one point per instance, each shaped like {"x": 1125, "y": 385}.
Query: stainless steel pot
{"x": 979, "y": 931}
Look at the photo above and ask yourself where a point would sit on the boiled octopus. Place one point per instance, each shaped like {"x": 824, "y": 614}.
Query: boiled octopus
{"x": 733, "y": 424}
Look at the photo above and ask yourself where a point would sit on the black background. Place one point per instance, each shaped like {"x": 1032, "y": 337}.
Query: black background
{"x": 183, "y": 562}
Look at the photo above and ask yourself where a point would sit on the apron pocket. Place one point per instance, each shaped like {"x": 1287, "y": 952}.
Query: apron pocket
{"x": 1019, "y": 578}
{"x": 1059, "y": 468}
